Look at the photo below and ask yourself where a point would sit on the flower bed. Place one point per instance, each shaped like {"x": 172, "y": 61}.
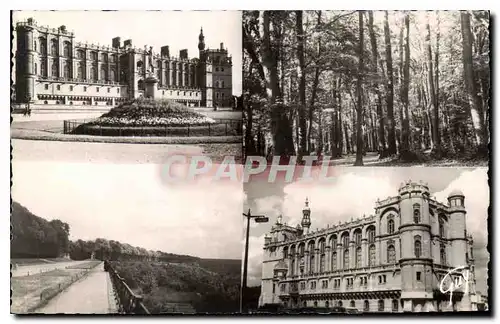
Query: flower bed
{"x": 148, "y": 112}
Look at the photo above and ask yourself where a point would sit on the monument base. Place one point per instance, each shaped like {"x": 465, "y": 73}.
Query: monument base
{"x": 150, "y": 87}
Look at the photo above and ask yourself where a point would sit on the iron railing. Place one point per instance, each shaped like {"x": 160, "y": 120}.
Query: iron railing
{"x": 129, "y": 302}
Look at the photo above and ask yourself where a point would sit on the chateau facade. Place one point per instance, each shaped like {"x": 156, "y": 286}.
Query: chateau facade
{"x": 393, "y": 261}
{"x": 52, "y": 68}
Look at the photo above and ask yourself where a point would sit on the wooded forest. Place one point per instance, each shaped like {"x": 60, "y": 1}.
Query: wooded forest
{"x": 407, "y": 85}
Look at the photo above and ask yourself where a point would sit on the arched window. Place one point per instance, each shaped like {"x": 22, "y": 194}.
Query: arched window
{"x": 381, "y": 305}
{"x": 390, "y": 226}
{"x": 112, "y": 76}
{"x": 327, "y": 304}
{"x": 285, "y": 252}
{"x": 53, "y": 47}
{"x": 54, "y": 69}
{"x": 366, "y": 305}
{"x": 43, "y": 69}
{"x": 395, "y": 305}
{"x": 34, "y": 46}
{"x": 334, "y": 261}
{"x": 441, "y": 227}
{"x": 345, "y": 240}
{"x": 315, "y": 304}
{"x": 346, "y": 259}
{"x": 357, "y": 237}
{"x": 292, "y": 270}
{"x": 333, "y": 242}
{"x": 371, "y": 235}
{"x": 222, "y": 84}
{"x": 442, "y": 253}
{"x": 104, "y": 74}
{"x": 416, "y": 213}
{"x": 391, "y": 254}
{"x": 417, "y": 246}
{"x": 93, "y": 56}
{"x": 358, "y": 257}
{"x": 340, "y": 303}
{"x": 43, "y": 47}
{"x": 66, "y": 70}
{"x": 104, "y": 57}
{"x": 371, "y": 255}
{"x": 79, "y": 71}
{"x": 353, "y": 303}
{"x": 36, "y": 69}
{"x": 311, "y": 264}
{"x": 67, "y": 49}
{"x": 80, "y": 54}
{"x": 322, "y": 263}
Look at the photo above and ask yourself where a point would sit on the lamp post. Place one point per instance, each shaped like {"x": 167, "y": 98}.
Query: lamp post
{"x": 258, "y": 219}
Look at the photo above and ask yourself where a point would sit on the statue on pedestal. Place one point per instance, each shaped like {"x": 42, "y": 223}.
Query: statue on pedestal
{"x": 150, "y": 61}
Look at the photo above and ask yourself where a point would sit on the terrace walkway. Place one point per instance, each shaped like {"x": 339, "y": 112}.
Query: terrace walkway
{"x": 91, "y": 295}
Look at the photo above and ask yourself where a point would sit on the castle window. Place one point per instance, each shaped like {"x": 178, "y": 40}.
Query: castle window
{"x": 340, "y": 303}
{"x": 216, "y": 69}
{"x": 118, "y": 90}
{"x": 353, "y": 303}
{"x": 53, "y": 47}
{"x": 416, "y": 213}
{"x": 292, "y": 270}
{"x": 345, "y": 240}
{"x": 109, "y": 90}
{"x": 391, "y": 254}
{"x": 395, "y": 305}
{"x": 417, "y": 246}
{"x": 304, "y": 304}
{"x": 322, "y": 263}
{"x": 381, "y": 305}
{"x": 43, "y": 48}
{"x": 46, "y": 87}
{"x": 54, "y": 69}
{"x": 274, "y": 288}
{"x": 357, "y": 238}
{"x": 58, "y": 87}
{"x": 419, "y": 275}
{"x": 104, "y": 74}
{"x": 80, "y": 54}
{"x": 93, "y": 73}
{"x": 315, "y": 304}
{"x": 93, "y": 56}
{"x": 371, "y": 234}
{"x": 79, "y": 71}
{"x": 441, "y": 227}
{"x": 66, "y": 70}
{"x": 222, "y": 84}
{"x": 112, "y": 75}
{"x": 45, "y": 102}
{"x": 36, "y": 69}
{"x": 84, "y": 89}
{"x": 34, "y": 45}
{"x": 104, "y": 57}
{"x": 43, "y": 69}
{"x": 390, "y": 226}
{"x": 70, "y": 88}
{"x": 371, "y": 255}
{"x": 334, "y": 261}
{"x": 67, "y": 49}
{"x": 97, "y": 89}
{"x": 366, "y": 307}
{"x": 222, "y": 69}
{"x": 358, "y": 257}
{"x": 346, "y": 259}
{"x": 327, "y": 304}
{"x": 442, "y": 253}
{"x": 311, "y": 264}
{"x": 285, "y": 253}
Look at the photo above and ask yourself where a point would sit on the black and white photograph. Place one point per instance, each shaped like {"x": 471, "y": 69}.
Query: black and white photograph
{"x": 100, "y": 100}
{"x": 378, "y": 88}
{"x": 375, "y": 240}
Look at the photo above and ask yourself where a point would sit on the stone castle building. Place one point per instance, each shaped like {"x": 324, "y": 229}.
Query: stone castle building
{"x": 52, "y": 68}
{"x": 393, "y": 261}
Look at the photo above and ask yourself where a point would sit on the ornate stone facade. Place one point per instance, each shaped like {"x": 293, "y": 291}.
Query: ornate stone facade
{"x": 52, "y": 68}
{"x": 392, "y": 261}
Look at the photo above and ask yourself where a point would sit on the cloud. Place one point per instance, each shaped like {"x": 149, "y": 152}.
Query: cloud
{"x": 129, "y": 203}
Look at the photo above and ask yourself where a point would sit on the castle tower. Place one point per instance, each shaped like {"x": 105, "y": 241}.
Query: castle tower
{"x": 26, "y": 56}
{"x": 306, "y": 217}
{"x": 459, "y": 244}
{"x": 416, "y": 256}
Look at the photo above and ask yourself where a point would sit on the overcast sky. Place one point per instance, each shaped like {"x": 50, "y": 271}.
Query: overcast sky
{"x": 130, "y": 203}
{"x": 178, "y": 29}
{"x": 354, "y": 193}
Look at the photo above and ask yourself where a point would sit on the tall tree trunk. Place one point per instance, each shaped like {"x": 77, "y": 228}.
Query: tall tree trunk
{"x": 405, "y": 127}
{"x": 347, "y": 143}
{"x": 382, "y": 150}
{"x": 359, "y": 90}
{"x": 436, "y": 137}
{"x": 475, "y": 103}
{"x": 317, "y": 73}
{"x": 339, "y": 136}
{"x": 319, "y": 148}
{"x": 302, "y": 86}
{"x": 391, "y": 134}
{"x": 333, "y": 138}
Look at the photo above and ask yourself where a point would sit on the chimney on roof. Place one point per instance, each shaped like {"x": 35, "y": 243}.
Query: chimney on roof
{"x": 165, "y": 51}
{"x": 116, "y": 42}
{"x": 221, "y": 46}
{"x": 127, "y": 43}
{"x": 183, "y": 54}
